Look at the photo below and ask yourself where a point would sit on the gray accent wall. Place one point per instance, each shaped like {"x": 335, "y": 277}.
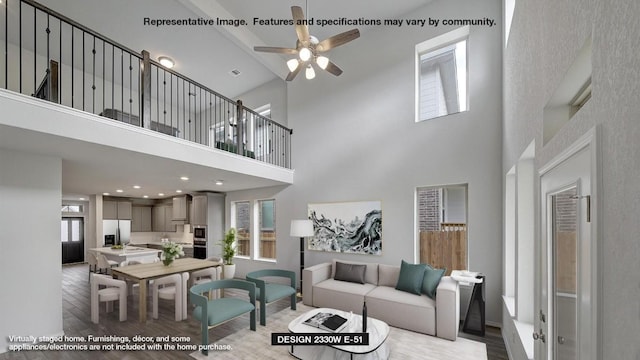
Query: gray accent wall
{"x": 544, "y": 41}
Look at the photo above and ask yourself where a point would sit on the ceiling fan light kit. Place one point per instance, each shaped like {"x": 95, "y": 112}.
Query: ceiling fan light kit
{"x": 310, "y": 73}
{"x": 308, "y": 48}
{"x": 292, "y": 64}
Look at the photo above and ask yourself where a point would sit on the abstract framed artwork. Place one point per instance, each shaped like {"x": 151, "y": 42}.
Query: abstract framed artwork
{"x": 347, "y": 227}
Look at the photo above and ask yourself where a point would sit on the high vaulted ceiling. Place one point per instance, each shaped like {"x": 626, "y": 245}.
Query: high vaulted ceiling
{"x": 208, "y": 53}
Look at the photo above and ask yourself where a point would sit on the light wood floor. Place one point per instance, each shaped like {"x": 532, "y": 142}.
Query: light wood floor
{"x": 77, "y": 322}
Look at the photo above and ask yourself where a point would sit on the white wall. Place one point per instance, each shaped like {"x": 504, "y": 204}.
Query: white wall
{"x": 273, "y": 92}
{"x": 355, "y": 139}
{"x": 30, "y": 194}
{"x": 545, "y": 38}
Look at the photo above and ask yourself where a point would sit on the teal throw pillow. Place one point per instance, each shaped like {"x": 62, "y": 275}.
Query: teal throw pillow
{"x": 410, "y": 279}
{"x": 431, "y": 280}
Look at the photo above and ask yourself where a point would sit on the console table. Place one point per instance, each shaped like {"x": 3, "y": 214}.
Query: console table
{"x": 474, "y": 321}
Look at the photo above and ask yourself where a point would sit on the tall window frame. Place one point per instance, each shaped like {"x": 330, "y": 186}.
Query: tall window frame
{"x": 241, "y": 221}
{"x": 255, "y": 223}
{"x": 442, "y": 75}
{"x": 265, "y": 231}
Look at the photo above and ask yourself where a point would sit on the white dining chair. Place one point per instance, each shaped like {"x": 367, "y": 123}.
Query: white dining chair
{"x": 171, "y": 287}
{"x": 113, "y": 290}
{"x": 206, "y": 275}
{"x": 104, "y": 264}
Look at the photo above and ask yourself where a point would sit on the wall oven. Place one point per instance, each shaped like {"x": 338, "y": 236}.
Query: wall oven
{"x": 200, "y": 242}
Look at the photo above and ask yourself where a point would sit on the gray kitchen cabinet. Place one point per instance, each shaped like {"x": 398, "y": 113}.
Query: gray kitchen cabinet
{"x": 168, "y": 217}
{"x": 110, "y": 210}
{"x": 180, "y": 208}
{"x": 124, "y": 210}
{"x": 162, "y": 215}
{"x": 188, "y": 251}
{"x": 116, "y": 210}
{"x": 141, "y": 219}
{"x": 199, "y": 215}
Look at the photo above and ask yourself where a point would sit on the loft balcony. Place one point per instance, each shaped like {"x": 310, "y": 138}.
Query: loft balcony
{"x": 51, "y": 57}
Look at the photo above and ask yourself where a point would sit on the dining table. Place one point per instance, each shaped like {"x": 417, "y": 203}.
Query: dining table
{"x": 142, "y": 273}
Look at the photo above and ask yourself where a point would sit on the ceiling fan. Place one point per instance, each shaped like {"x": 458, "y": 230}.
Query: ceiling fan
{"x": 309, "y": 49}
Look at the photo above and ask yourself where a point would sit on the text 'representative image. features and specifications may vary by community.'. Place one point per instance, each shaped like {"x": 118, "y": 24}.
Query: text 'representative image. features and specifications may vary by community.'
{"x": 340, "y": 21}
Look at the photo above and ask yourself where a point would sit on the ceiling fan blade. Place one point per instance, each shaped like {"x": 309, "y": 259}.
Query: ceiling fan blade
{"x": 333, "y": 69}
{"x": 277, "y": 50}
{"x": 301, "y": 29}
{"x": 337, "y": 40}
{"x": 292, "y": 75}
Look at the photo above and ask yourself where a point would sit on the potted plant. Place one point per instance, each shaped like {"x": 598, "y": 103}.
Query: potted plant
{"x": 228, "y": 252}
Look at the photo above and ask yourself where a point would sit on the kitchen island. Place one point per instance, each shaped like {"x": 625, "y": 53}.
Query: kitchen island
{"x": 124, "y": 255}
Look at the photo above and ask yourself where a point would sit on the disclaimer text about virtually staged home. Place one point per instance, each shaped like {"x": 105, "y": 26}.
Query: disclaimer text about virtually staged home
{"x": 109, "y": 343}
{"x": 342, "y": 21}
{"x": 166, "y": 343}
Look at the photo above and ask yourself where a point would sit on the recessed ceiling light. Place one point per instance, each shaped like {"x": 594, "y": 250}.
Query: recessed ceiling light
{"x": 160, "y": 194}
{"x": 178, "y": 191}
{"x": 106, "y": 194}
{"x": 119, "y": 190}
{"x": 136, "y": 186}
{"x": 184, "y": 178}
{"x": 145, "y": 196}
{"x": 166, "y": 61}
{"x": 219, "y": 182}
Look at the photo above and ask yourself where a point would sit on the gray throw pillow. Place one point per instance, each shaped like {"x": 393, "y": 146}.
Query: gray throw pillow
{"x": 410, "y": 279}
{"x": 350, "y": 272}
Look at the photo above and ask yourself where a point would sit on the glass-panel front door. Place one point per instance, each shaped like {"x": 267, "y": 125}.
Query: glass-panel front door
{"x": 565, "y": 261}
{"x": 72, "y": 239}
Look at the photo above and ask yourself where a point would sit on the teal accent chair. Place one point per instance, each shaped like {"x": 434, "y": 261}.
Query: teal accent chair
{"x": 214, "y": 312}
{"x": 270, "y": 292}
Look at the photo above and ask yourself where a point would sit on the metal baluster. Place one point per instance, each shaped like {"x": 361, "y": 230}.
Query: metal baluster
{"x": 35, "y": 51}
{"x": 130, "y": 84}
{"x": 83, "y": 72}
{"x": 103, "y": 74}
{"x": 20, "y": 43}
{"x": 6, "y": 44}
{"x": 93, "y": 85}
{"x": 122, "y": 80}
{"x": 113, "y": 77}
{"x": 48, "y": 72}
{"x": 164, "y": 95}
{"x": 73, "y": 57}
{"x": 60, "y": 77}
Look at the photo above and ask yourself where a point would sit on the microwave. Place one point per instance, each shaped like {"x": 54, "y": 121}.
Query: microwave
{"x": 200, "y": 232}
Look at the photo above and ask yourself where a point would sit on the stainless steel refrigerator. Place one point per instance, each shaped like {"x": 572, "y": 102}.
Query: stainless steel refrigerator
{"x": 119, "y": 230}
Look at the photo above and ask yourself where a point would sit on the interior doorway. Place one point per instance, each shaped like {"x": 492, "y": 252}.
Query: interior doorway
{"x": 72, "y": 239}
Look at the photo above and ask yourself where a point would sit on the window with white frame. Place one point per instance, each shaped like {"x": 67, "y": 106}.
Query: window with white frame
{"x": 242, "y": 223}
{"x": 441, "y": 75}
{"x": 255, "y": 223}
{"x": 267, "y": 228}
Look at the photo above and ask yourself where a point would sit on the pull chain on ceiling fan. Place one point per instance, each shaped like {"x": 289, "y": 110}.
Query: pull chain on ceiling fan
{"x": 309, "y": 49}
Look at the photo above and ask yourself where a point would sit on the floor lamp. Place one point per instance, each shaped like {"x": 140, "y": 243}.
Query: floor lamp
{"x": 301, "y": 229}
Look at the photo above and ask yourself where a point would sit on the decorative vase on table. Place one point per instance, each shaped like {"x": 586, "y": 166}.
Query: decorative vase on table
{"x": 170, "y": 252}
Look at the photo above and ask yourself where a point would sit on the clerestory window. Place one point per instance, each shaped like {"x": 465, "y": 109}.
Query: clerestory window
{"x": 441, "y": 75}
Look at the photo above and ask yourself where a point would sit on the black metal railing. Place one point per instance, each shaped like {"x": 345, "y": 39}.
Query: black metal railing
{"x": 50, "y": 56}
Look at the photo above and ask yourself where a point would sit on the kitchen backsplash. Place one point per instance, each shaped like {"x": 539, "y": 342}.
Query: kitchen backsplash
{"x": 183, "y": 235}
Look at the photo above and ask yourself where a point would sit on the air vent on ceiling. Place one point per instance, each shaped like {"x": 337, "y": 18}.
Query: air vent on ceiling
{"x": 235, "y": 72}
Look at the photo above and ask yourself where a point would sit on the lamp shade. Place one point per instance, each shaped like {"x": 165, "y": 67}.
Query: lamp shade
{"x": 301, "y": 228}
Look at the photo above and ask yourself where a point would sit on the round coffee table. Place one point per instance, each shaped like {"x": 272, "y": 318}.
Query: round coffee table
{"x": 378, "y": 332}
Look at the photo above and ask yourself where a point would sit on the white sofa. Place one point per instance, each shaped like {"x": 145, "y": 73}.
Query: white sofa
{"x": 439, "y": 317}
